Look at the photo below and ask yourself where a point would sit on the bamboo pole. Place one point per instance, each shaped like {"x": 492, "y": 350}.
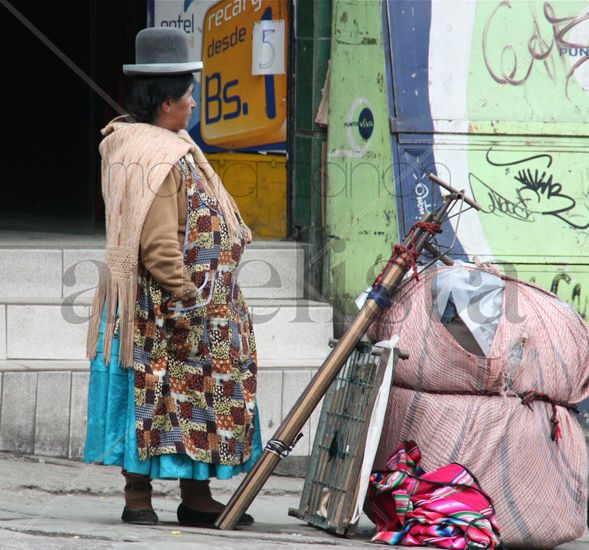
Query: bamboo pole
{"x": 288, "y": 431}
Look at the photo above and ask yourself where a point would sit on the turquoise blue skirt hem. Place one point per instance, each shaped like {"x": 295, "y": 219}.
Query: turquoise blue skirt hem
{"x": 111, "y": 436}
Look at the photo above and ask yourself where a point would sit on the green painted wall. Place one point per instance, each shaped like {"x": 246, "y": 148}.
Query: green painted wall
{"x": 528, "y": 81}
{"x": 506, "y": 119}
{"x": 527, "y": 68}
{"x": 360, "y": 209}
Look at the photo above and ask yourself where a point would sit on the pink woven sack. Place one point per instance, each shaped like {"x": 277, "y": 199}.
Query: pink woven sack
{"x": 505, "y": 416}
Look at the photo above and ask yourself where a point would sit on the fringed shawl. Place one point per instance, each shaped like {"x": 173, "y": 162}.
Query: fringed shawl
{"x": 136, "y": 159}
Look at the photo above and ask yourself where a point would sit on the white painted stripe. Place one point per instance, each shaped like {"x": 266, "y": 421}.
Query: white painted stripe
{"x": 452, "y": 166}
{"x": 449, "y": 61}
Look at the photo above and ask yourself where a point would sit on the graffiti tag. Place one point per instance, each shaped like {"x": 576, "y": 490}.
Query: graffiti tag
{"x": 497, "y": 203}
{"x": 536, "y": 192}
{"x": 514, "y": 71}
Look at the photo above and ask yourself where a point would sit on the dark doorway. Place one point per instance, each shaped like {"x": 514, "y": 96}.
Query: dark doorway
{"x": 52, "y": 117}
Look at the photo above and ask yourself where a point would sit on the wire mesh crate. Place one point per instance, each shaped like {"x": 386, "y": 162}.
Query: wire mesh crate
{"x": 332, "y": 482}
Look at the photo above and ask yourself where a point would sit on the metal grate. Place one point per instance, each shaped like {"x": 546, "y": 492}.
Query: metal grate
{"x": 332, "y": 482}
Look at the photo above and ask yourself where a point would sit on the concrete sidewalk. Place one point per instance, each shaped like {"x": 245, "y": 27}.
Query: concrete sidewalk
{"x": 54, "y": 504}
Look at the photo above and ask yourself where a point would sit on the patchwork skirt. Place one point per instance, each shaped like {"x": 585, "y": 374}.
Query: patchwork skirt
{"x": 111, "y": 432}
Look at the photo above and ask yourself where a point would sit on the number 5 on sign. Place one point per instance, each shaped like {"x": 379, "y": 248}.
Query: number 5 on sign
{"x": 268, "y": 48}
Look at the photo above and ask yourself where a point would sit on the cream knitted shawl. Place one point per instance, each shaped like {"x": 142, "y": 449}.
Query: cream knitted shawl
{"x": 136, "y": 159}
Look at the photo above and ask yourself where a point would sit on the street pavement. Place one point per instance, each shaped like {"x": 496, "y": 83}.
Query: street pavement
{"x": 64, "y": 504}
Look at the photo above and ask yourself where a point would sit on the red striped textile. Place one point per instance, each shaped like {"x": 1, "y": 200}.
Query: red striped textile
{"x": 445, "y": 508}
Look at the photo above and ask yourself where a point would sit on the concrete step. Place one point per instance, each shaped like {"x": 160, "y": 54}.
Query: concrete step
{"x": 48, "y": 269}
{"x": 53, "y": 329}
{"x": 46, "y": 287}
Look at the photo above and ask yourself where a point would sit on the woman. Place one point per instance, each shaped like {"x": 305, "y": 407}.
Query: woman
{"x": 173, "y": 376}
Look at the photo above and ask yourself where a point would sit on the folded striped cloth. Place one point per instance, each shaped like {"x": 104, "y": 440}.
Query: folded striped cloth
{"x": 445, "y": 508}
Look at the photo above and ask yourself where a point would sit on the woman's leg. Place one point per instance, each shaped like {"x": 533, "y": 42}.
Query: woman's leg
{"x": 197, "y": 496}
{"x": 138, "y": 508}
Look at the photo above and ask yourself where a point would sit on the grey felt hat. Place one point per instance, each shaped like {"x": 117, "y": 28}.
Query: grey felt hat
{"x": 161, "y": 51}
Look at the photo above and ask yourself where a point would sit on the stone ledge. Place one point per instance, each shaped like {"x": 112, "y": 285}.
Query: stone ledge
{"x": 63, "y": 241}
{"x": 32, "y": 268}
{"x": 41, "y": 239}
{"x": 85, "y": 301}
{"x": 45, "y": 301}
{"x": 312, "y": 363}
{"x": 43, "y": 366}
{"x": 292, "y": 328}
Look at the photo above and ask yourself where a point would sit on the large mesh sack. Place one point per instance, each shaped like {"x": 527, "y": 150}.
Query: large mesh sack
{"x": 470, "y": 408}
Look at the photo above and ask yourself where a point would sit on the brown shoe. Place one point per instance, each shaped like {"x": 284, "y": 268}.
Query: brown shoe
{"x": 193, "y": 518}
{"x": 139, "y": 517}
{"x": 138, "y": 509}
{"x": 198, "y": 509}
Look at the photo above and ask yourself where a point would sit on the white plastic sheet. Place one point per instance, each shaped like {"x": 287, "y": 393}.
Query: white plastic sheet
{"x": 478, "y": 297}
{"x": 375, "y": 427}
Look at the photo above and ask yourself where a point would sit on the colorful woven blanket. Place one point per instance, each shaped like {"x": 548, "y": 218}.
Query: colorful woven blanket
{"x": 445, "y": 508}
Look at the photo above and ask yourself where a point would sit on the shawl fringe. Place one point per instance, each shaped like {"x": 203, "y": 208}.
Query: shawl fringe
{"x": 136, "y": 159}
{"x": 115, "y": 295}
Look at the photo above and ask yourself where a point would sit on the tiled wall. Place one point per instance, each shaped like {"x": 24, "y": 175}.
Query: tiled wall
{"x": 2, "y": 332}
{"x": 43, "y": 412}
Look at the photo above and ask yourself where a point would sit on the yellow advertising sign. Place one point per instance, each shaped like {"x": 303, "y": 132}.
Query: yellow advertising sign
{"x": 239, "y": 109}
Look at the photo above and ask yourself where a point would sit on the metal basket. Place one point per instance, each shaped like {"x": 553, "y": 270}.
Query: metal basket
{"x": 332, "y": 482}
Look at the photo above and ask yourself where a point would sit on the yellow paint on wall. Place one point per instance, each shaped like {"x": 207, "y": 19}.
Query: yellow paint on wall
{"x": 258, "y": 184}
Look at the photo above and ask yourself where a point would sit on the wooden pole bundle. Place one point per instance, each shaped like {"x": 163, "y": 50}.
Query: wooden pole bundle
{"x": 288, "y": 432}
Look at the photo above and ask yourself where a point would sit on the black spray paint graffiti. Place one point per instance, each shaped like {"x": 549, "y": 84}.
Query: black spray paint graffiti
{"x": 575, "y": 294}
{"x": 580, "y": 306}
{"x": 516, "y": 72}
{"x": 536, "y": 193}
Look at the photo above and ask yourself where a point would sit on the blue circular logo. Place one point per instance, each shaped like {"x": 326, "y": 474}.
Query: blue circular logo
{"x": 366, "y": 123}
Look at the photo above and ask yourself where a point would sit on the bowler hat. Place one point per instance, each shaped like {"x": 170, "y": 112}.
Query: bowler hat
{"x": 162, "y": 51}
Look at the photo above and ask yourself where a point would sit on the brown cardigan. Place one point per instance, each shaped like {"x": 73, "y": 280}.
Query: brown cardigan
{"x": 162, "y": 238}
